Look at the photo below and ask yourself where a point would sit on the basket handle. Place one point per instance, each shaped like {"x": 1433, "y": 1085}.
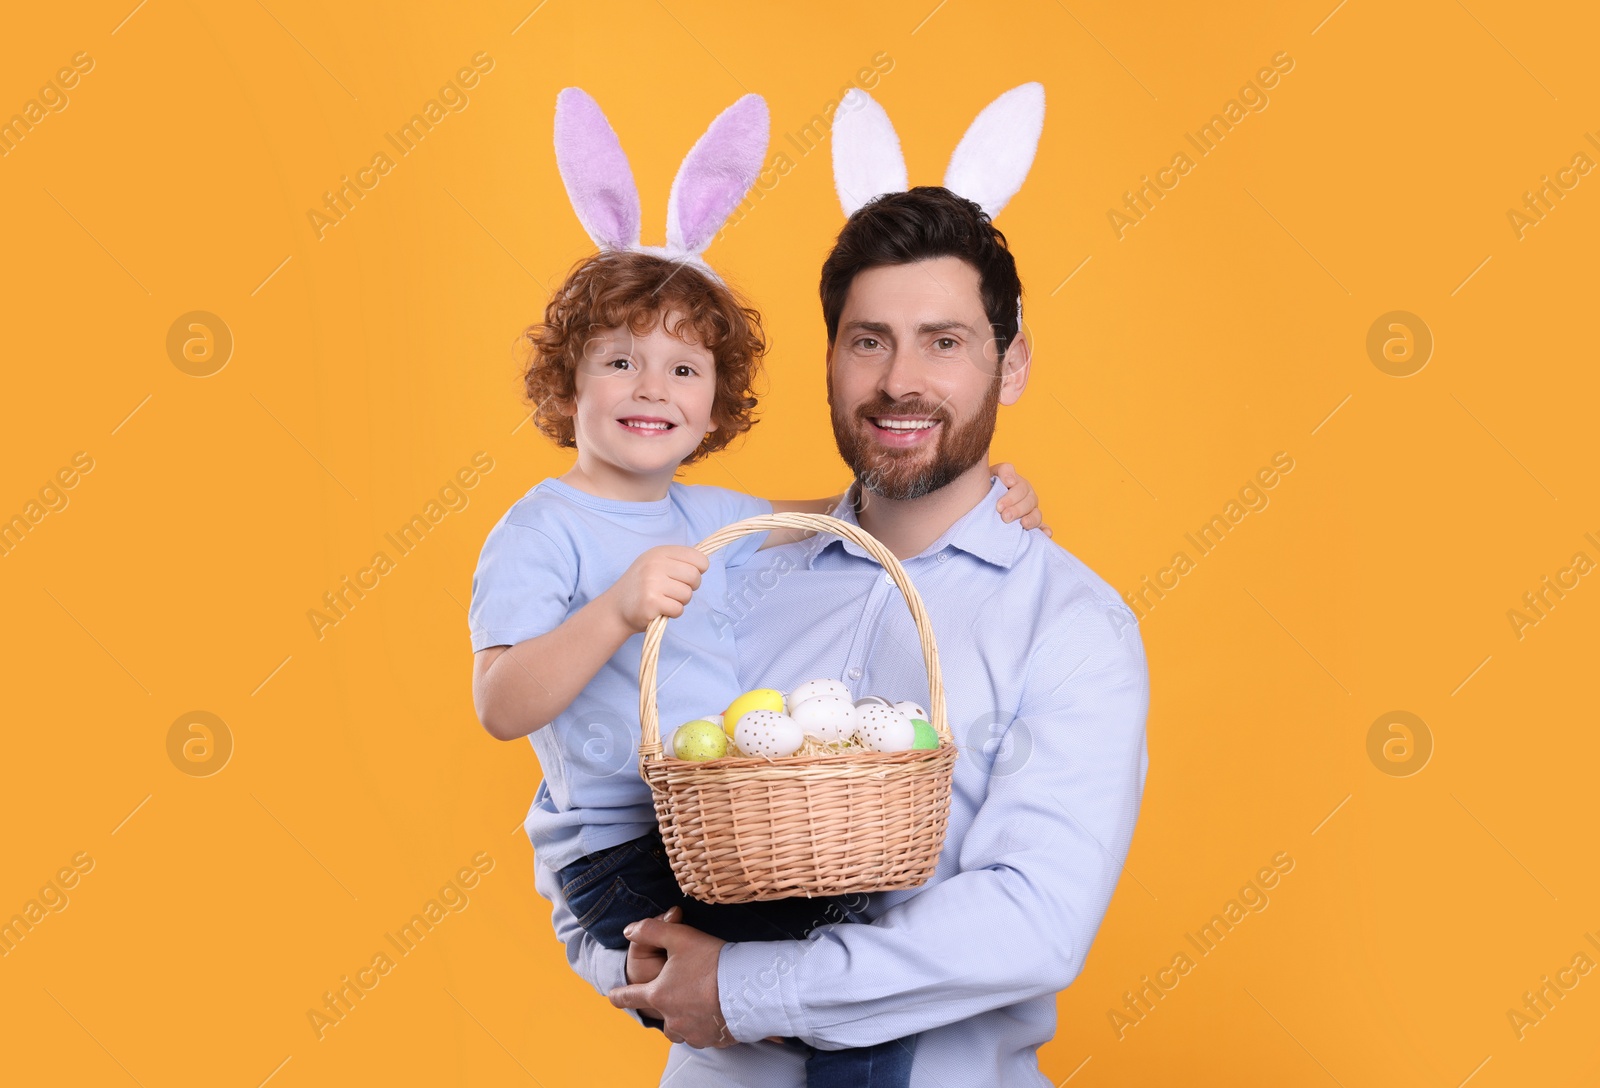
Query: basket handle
{"x": 649, "y": 718}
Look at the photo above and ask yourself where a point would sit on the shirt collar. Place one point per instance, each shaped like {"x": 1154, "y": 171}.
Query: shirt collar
{"x": 979, "y": 532}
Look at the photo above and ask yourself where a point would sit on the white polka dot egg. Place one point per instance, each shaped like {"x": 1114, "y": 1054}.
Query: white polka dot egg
{"x": 812, "y": 688}
{"x": 828, "y": 718}
{"x": 884, "y": 728}
{"x": 769, "y": 733}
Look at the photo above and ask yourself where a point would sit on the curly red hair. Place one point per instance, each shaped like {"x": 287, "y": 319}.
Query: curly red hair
{"x": 613, "y": 289}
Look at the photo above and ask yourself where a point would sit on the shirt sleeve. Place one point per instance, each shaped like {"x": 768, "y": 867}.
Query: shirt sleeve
{"x": 1035, "y": 873}
{"x": 726, "y": 506}
{"x": 601, "y": 967}
{"x": 523, "y": 586}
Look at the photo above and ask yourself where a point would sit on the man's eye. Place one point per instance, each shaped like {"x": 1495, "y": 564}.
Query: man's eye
{"x": 868, "y": 343}
{"x": 945, "y": 343}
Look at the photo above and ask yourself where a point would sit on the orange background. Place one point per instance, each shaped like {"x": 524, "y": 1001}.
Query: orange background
{"x": 372, "y": 364}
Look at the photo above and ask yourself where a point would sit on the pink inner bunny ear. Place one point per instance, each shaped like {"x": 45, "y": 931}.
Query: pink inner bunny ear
{"x": 596, "y": 173}
{"x": 716, "y": 174}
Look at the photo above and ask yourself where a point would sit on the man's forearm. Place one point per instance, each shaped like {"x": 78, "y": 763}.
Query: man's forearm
{"x": 1036, "y": 870}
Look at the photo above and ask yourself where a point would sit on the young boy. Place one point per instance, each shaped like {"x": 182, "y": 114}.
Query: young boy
{"x": 644, "y": 365}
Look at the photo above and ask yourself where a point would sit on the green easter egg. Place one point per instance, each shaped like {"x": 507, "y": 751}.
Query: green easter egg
{"x": 925, "y": 735}
{"x": 699, "y": 740}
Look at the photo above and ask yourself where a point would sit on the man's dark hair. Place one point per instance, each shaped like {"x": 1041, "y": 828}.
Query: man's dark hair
{"x": 917, "y": 225}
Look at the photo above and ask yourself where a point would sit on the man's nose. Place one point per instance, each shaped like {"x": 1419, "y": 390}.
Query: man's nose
{"x": 904, "y": 376}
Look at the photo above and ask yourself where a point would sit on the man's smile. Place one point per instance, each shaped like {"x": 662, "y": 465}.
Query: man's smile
{"x": 903, "y": 431}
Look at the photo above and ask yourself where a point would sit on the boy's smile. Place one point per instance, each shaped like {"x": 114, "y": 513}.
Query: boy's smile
{"x": 644, "y": 403}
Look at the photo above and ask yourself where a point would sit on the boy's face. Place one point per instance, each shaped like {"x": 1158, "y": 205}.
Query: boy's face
{"x": 644, "y": 401}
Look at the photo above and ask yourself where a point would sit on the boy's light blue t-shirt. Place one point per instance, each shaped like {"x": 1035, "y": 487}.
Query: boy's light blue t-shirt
{"x": 552, "y": 553}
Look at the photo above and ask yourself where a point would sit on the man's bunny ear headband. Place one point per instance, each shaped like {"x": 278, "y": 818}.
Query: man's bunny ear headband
{"x": 713, "y": 178}
{"x": 987, "y": 167}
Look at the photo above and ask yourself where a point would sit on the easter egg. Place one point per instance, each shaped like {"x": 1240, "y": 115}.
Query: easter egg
{"x": 827, "y": 717}
{"x": 759, "y": 699}
{"x": 699, "y": 740}
{"x": 926, "y": 737}
{"x": 911, "y": 710}
{"x": 873, "y": 700}
{"x": 884, "y": 729}
{"x": 813, "y": 688}
{"x": 768, "y": 733}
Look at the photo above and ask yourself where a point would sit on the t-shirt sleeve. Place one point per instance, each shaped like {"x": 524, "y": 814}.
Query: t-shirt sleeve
{"x": 724, "y": 507}
{"x": 523, "y": 586}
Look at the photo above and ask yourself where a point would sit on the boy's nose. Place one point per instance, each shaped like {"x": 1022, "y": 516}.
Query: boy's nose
{"x": 650, "y": 386}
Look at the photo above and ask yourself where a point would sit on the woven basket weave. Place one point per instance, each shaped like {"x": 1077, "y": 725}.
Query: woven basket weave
{"x": 742, "y": 830}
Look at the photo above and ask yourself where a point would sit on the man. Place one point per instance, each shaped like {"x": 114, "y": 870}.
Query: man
{"x": 1045, "y": 682}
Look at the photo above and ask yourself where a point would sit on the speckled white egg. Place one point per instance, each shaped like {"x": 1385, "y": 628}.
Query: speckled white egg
{"x": 872, "y": 700}
{"x": 828, "y": 718}
{"x": 884, "y": 729}
{"x": 812, "y": 688}
{"x": 768, "y": 733}
{"x": 911, "y": 710}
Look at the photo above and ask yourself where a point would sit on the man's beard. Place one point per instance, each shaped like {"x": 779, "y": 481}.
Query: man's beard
{"x": 913, "y": 473}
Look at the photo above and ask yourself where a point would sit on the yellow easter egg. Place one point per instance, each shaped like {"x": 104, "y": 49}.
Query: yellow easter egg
{"x": 759, "y": 699}
{"x": 699, "y": 740}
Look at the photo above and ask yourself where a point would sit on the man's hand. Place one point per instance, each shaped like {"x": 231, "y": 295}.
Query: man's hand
{"x": 645, "y": 961}
{"x": 684, "y": 992}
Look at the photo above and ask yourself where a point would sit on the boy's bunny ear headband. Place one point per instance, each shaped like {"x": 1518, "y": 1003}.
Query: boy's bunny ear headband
{"x": 713, "y": 178}
{"x": 987, "y": 167}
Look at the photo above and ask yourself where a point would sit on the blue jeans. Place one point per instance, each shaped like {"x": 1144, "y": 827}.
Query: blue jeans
{"x": 611, "y": 888}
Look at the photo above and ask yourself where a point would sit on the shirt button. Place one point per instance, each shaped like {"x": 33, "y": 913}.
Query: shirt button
{"x": 943, "y": 556}
{"x": 855, "y": 674}
{"x": 888, "y": 579}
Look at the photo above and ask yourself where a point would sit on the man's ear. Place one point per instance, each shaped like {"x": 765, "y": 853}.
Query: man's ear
{"x": 1014, "y": 368}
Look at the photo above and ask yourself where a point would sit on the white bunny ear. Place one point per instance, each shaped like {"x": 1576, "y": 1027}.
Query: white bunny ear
{"x": 598, "y": 178}
{"x": 715, "y": 175}
{"x": 867, "y": 161}
{"x": 993, "y": 158}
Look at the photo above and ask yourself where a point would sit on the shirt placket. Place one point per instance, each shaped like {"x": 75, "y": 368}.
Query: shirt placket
{"x": 863, "y": 637}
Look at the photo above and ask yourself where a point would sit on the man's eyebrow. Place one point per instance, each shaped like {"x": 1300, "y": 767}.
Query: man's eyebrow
{"x": 879, "y": 327}
{"x": 946, "y": 326}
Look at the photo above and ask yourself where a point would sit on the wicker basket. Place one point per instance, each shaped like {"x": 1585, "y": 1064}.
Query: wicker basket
{"x": 741, "y": 830}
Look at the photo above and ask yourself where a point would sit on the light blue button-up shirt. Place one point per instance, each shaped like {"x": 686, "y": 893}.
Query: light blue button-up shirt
{"x": 1047, "y": 690}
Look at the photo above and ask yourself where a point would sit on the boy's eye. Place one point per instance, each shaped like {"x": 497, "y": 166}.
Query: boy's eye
{"x": 684, "y": 370}
{"x": 621, "y": 363}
